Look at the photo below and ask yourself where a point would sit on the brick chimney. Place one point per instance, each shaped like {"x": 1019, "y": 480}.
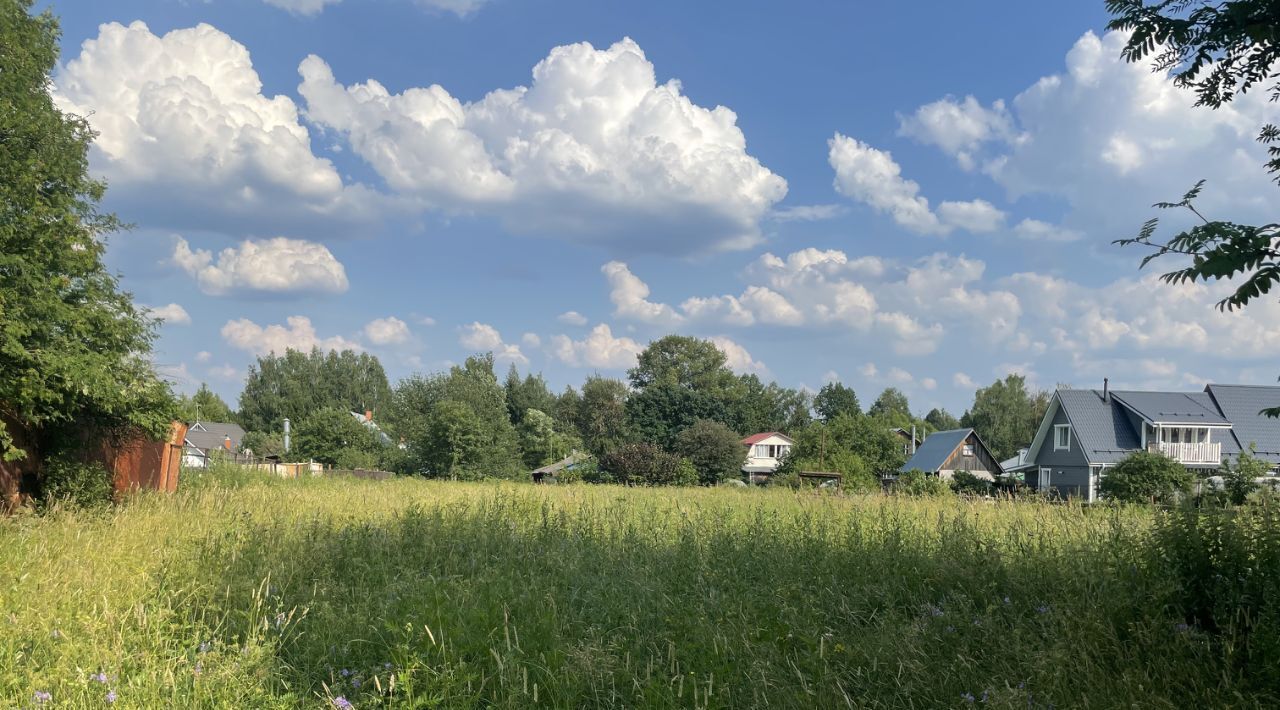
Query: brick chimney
{"x": 226, "y": 442}
{"x": 368, "y": 415}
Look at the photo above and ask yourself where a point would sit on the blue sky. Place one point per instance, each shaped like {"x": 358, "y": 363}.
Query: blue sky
{"x": 891, "y": 195}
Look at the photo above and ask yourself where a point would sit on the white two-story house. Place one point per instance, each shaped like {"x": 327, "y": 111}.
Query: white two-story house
{"x": 1086, "y": 432}
{"x": 764, "y": 454}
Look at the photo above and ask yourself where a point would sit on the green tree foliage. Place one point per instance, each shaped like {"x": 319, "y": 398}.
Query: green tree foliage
{"x": 716, "y": 452}
{"x": 965, "y": 483}
{"x": 453, "y": 445}
{"x": 917, "y": 483}
{"x": 1146, "y": 477}
{"x": 602, "y": 414}
{"x": 1006, "y": 415}
{"x": 457, "y": 424}
{"x": 941, "y": 420}
{"x": 263, "y": 443}
{"x": 678, "y": 380}
{"x": 1220, "y": 50}
{"x": 526, "y": 394}
{"x": 646, "y": 464}
{"x": 295, "y": 384}
{"x": 835, "y": 399}
{"x": 758, "y": 407}
{"x": 204, "y": 406}
{"x": 331, "y": 435}
{"x": 1238, "y": 476}
{"x": 892, "y": 407}
{"x": 73, "y": 347}
{"x": 540, "y": 442}
{"x": 566, "y": 411}
{"x": 857, "y": 477}
{"x": 823, "y": 446}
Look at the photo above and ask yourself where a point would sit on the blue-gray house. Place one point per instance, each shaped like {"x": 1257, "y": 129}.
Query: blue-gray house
{"x": 1085, "y": 432}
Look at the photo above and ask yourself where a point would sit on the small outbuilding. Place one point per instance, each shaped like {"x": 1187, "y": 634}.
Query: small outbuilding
{"x": 945, "y": 452}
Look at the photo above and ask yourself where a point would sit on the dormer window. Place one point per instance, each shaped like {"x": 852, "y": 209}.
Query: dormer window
{"x": 1062, "y": 437}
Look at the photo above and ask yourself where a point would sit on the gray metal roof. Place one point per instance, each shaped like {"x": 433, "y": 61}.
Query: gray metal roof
{"x": 211, "y": 435}
{"x": 1017, "y": 462}
{"x": 1241, "y": 404}
{"x": 935, "y": 450}
{"x": 1173, "y": 407}
{"x": 1101, "y": 428}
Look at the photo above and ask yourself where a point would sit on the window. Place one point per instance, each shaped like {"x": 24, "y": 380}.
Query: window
{"x": 968, "y": 450}
{"x": 1062, "y": 437}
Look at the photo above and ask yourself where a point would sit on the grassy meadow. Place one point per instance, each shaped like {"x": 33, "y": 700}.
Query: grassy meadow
{"x": 416, "y": 593}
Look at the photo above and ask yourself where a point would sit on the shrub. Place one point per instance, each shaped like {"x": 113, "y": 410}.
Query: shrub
{"x": 965, "y": 483}
{"x": 1237, "y": 478}
{"x": 83, "y": 485}
{"x": 646, "y": 464}
{"x": 716, "y": 452}
{"x": 1145, "y": 477}
{"x": 918, "y": 483}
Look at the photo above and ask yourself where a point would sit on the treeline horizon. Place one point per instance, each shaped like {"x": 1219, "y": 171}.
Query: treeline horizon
{"x": 680, "y": 401}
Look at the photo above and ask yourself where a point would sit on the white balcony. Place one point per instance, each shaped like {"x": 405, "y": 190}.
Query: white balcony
{"x": 1202, "y": 452}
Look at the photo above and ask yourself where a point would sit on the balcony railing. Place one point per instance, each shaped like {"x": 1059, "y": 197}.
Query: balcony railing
{"x": 1204, "y": 452}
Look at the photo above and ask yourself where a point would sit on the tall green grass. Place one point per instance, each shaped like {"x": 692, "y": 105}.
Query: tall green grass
{"x": 411, "y": 593}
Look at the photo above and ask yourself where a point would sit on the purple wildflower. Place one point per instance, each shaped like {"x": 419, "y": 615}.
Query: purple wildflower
{"x": 1182, "y": 628}
{"x": 386, "y": 666}
{"x": 985, "y": 694}
{"x": 41, "y": 697}
{"x": 100, "y": 677}
{"x": 1006, "y": 601}
{"x": 111, "y": 696}
{"x": 935, "y": 611}
{"x": 1043, "y": 609}
{"x": 355, "y": 683}
{"x": 341, "y": 703}
{"x": 967, "y": 697}
{"x": 199, "y": 667}
{"x": 951, "y": 629}
{"x": 346, "y": 673}
{"x": 204, "y": 647}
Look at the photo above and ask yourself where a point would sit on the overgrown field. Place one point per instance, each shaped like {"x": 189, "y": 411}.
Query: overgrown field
{"x": 412, "y": 593}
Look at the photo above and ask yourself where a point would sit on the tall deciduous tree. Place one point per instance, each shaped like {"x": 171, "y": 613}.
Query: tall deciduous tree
{"x": 892, "y": 407}
{"x": 332, "y": 436}
{"x": 1006, "y": 415}
{"x": 73, "y": 347}
{"x": 941, "y": 420}
{"x": 525, "y": 394}
{"x": 677, "y": 381}
{"x": 770, "y": 407}
{"x": 296, "y": 384}
{"x": 456, "y": 423}
{"x": 835, "y": 399}
{"x": 205, "y": 406}
{"x": 602, "y": 414}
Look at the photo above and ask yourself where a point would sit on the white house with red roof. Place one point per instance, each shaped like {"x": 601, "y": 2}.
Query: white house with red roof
{"x": 764, "y": 454}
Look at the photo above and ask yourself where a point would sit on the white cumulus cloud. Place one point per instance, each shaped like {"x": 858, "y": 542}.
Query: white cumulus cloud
{"x": 172, "y": 314}
{"x": 737, "y": 358}
{"x": 593, "y": 149}
{"x": 386, "y": 331}
{"x": 188, "y": 139}
{"x": 598, "y": 349}
{"x": 276, "y": 265}
{"x": 484, "y": 337}
{"x": 572, "y": 318}
{"x": 461, "y": 8}
{"x": 298, "y": 334}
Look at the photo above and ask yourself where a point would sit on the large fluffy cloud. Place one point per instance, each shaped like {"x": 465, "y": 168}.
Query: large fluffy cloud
{"x": 277, "y": 265}
{"x": 386, "y": 331}
{"x": 484, "y": 337}
{"x": 872, "y": 177}
{"x": 188, "y": 140}
{"x": 298, "y": 334}
{"x": 461, "y": 8}
{"x": 1110, "y": 138}
{"x": 598, "y": 349}
{"x": 593, "y": 149}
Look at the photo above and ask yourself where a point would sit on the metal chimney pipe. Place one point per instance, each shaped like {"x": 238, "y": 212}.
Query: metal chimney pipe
{"x": 913, "y": 439}
{"x": 286, "y": 435}
{"x": 1106, "y": 389}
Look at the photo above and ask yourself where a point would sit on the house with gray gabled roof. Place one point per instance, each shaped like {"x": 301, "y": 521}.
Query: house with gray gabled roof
{"x": 945, "y": 452}
{"x": 205, "y": 438}
{"x": 1085, "y": 432}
